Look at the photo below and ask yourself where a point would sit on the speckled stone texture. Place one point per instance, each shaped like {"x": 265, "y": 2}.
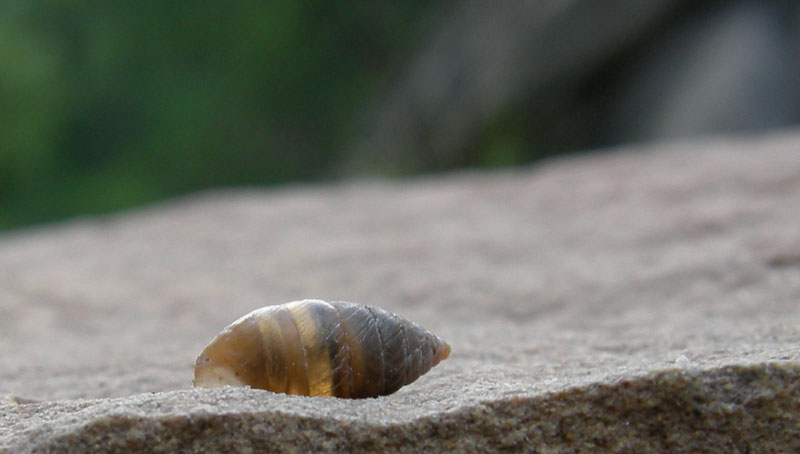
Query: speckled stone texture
{"x": 643, "y": 300}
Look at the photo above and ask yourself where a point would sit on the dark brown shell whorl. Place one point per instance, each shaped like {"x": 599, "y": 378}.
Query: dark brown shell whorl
{"x": 319, "y": 348}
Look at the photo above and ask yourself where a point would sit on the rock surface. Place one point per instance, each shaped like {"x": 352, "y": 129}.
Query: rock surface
{"x": 642, "y": 300}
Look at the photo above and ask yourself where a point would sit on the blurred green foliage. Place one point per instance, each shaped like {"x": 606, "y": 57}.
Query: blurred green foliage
{"x": 105, "y": 105}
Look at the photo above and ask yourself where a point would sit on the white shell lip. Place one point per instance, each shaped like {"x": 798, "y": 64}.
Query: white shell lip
{"x": 208, "y": 374}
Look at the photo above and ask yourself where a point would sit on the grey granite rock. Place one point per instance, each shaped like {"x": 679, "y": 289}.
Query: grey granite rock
{"x": 643, "y": 300}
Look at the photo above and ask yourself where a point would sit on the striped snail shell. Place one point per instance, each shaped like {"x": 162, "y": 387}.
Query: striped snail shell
{"x": 319, "y": 348}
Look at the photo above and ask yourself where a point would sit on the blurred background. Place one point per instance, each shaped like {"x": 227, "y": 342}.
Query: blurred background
{"x": 108, "y": 105}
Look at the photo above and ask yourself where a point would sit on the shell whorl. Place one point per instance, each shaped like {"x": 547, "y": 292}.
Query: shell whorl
{"x": 319, "y": 348}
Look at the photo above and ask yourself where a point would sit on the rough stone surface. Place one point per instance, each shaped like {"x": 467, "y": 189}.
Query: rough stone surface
{"x": 642, "y": 300}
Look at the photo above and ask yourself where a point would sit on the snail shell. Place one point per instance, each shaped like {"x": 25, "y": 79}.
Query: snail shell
{"x": 319, "y": 348}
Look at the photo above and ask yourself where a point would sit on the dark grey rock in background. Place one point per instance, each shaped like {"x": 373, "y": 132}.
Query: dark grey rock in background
{"x": 565, "y": 75}
{"x": 643, "y": 300}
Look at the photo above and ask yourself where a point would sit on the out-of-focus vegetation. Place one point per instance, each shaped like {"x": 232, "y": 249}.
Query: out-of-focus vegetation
{"x": 109, "y": 104}
{"x": 106, "y": 105}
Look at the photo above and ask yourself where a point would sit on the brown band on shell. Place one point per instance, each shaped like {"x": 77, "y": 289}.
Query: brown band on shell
{"x": 366, "y": 350}
{"x": 276, "y": 338}
{"x": 335, "y": 339}
{"x": 356, "y": 360}
{"x": 293, "y": 351}
{"x": 319, "y": 371}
